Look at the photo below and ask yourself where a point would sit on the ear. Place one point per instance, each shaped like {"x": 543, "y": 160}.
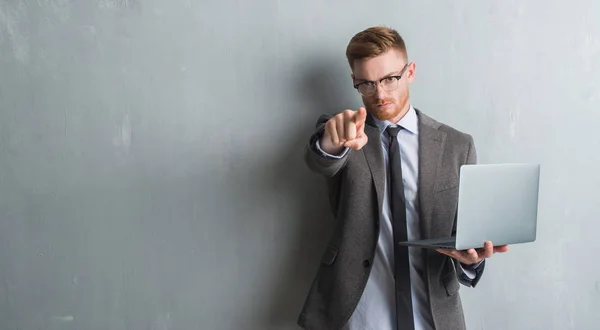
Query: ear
{"x": 353, "y": 78}
{"x": 410, "y": 70}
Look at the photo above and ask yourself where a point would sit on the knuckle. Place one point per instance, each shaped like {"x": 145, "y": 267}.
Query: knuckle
{"x": 330, "y": 124}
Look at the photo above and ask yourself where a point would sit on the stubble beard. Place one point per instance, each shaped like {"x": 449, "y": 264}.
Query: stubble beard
{"x": 400, "y": 108}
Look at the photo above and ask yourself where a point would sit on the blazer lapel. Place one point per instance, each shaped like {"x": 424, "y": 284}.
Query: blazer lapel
{"x": 431, "y": 148}
{"x": 373, "y": 154}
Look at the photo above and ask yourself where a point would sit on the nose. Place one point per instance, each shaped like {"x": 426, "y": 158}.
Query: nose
{"x": 379, "y": 92}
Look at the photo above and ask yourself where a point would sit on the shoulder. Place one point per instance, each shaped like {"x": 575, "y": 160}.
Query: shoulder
{"x": 452, "y": 134}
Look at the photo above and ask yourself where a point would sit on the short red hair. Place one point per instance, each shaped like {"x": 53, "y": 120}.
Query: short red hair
{"x": 373, "y": 42}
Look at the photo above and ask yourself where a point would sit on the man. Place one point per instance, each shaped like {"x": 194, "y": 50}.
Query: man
{"x": 392, "y": 174}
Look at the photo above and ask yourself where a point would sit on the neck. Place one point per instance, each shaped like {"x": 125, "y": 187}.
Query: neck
{"x": 401, "y": 115}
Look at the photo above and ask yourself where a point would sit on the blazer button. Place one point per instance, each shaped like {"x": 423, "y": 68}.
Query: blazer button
{"x": 366, "y": 263}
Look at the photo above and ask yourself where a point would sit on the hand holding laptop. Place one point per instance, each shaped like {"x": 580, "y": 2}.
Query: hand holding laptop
{"x": 473, "y": 256}
{"x": 496, "y": 203}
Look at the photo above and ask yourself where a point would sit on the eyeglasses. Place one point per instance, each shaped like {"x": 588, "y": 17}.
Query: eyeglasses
{"x": 368, "y": 88}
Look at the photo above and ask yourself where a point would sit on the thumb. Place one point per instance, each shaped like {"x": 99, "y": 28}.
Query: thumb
{"x": 357, "y": 143}
{"x": 362, "y": 140}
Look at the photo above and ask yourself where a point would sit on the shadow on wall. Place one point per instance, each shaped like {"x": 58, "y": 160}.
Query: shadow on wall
{"x": 322, "y": 86}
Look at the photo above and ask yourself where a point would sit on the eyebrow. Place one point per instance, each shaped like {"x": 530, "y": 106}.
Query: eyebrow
{"x": 391, "y": 74}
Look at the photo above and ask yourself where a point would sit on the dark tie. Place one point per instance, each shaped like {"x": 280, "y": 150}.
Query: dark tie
{"x": 404, "y": 310}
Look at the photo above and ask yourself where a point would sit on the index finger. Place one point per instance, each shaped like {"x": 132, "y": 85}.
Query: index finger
{"x": 360, "y": 116}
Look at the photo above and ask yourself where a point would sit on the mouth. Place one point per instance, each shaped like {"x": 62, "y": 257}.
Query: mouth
{"x": 383, "y": 105}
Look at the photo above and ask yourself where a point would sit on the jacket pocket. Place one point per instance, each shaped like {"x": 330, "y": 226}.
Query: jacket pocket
{"x": 451, "y": 284}
{"x": 447, "y": 184}
{"x": 329, "y": 255}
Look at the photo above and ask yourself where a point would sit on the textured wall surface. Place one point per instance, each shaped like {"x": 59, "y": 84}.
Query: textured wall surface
{"x": 150, "y": 153}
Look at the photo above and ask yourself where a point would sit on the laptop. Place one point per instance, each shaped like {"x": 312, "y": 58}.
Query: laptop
{"x": 497, "y": 203}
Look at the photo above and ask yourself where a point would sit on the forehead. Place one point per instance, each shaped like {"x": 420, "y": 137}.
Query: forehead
{"x": 377, "y": 67}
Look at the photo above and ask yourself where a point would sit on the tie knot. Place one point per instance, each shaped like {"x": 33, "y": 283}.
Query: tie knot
{"x": 393, "y": 130}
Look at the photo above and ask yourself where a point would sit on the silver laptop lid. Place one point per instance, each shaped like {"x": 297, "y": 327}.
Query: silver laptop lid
{"x": 497, "y": 203}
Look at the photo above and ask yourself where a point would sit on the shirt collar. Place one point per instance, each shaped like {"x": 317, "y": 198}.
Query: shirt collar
{"x": 409, "y": 122}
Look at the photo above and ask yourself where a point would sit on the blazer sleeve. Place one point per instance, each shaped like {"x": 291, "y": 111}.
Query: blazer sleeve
{"x": 317, "y": 160}
{"x": 475, "y": 272}
{"x": 472, "y": 152}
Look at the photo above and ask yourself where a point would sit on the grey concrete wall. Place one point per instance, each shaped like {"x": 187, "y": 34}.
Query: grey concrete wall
{"x": 150, "y": 153}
